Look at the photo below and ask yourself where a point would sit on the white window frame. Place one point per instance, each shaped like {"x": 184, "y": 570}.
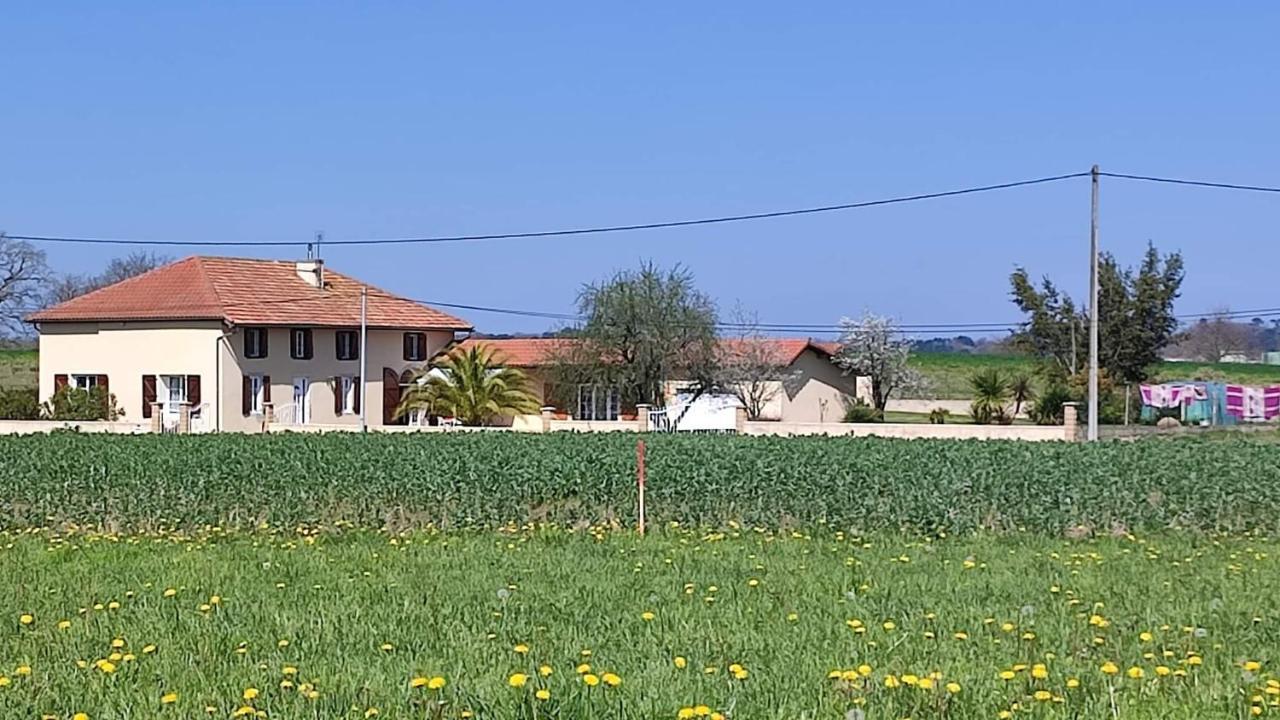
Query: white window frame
{"x": 298, "y": 343}
{"x": 254, "y": 337}
{"x": 84, "y": 382}
{"x": 352, "y": 337}
{"x": 601, "y": 403}
{"x": 171, "y": 394}
{"x": 256, "y": 394}
{"x": 417, "y": 352}
{"x": 348, "y": 391}
{"x": 301, "y": 407}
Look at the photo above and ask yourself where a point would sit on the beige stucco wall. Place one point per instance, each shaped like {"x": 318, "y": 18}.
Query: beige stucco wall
{"x": 1030, "y": 433}
{"x": 125, "y": 351}
{"x": 814, "y": 393}
{"x": 385, "y": 349}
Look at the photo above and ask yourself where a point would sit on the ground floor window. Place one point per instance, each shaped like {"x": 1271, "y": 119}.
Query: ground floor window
{"x": 84, "y": 382}
{"x": 256, "y": 394}
{"x": 597, "y": 402}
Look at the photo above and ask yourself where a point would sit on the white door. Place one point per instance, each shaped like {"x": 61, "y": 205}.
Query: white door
{"x": 301, "y": 401}
{"x": 173, "y": 392}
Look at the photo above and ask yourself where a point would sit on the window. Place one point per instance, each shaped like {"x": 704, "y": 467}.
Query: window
{"x": 348, "y": 345}
{"x": 347, "y": 399}
{"x": 84, "y": 382}
{"x": 597, "y": 403}
{"x": 415, "y": 346}
{"x": 300, "y": 343}
{"x": 175, "y": 393}
{"x": 256, "y": 394}
{"x": 255, "y": 343}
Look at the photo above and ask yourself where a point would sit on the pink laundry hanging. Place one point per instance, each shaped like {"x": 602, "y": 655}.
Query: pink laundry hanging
{"x": 1235, "y": 401}
{"x": 1271, "y": 402}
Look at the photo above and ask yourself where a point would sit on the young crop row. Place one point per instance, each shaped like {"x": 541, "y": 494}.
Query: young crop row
{"x": 468, "y": 479}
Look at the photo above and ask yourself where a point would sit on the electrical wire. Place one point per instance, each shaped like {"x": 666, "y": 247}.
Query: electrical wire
{"x": 561, "y": 233}
{"x": 1196, "y": 183}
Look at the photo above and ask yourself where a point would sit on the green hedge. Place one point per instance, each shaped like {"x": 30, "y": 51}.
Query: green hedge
{"x": 466, "y": 479}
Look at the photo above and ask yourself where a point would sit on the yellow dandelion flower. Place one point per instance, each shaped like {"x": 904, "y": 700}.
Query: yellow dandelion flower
{"x": 148, "y": 649}
{"x": 1042, "y": 695}
{"x": 647, "y": 616}
{"x": 517, "y": 680}
{"x": 545, "y": 670}
{"x": 64, "y": 624}
{"x": 26, "y": 618}
{"x": 591, "y": 679}
{"x": 22, "y": 670}
{"x": 1251, "y": 665}
{"x": 890, "y": 681}
{"x": 1109, "y": 668}
{"x": 953, "y": 687}
{"x": 543, "y": 694}
{"x": 249, "y": 693}
{"x": 169, "y": 698}
{"x": 1039, "y": 672}
{"x": 1073, "y": 683}
{"x": 680, "y": 662}
{"x": 521, "y": 649}
{"x": 583, "y": 668}
{"x": 611, "y": 679}
{"x": 418, "y": 682}
{"x": 435, "y": 683}
{"x": 1135, "y": 673}
{"x": 864, "y": 670}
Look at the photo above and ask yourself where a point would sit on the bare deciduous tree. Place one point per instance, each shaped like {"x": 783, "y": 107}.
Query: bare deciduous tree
{"x": 66, "y": 287}
{"x": 23, "y": 272}
{"x": 1214, "y": 338}
{"x": 750, "y": 367}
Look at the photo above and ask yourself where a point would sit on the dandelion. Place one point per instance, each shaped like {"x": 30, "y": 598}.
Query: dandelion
{"x": 521, "y": 649}
{"x": 169, "y": 698}
{"x": 418, "y": 682}
{"x": 1042, "y": 695}
{"x": 542, "y": 694}
{"x": 250, "y": 693}
{"x": 1039, "y": 672}
{"x": 611, "y": 679}
{"x": 680, "y": 662}
{"x": 1252, "y": 666}
{"x": 517, "y": 680}
{"x": 583, "y": 668}
{"x": 889, "y": 625}
{"x": 545, "y": 670}
{"x": 953, "y": 687}
{"x": 591, "y": 679}
{"x": 22, "y": 670}
{"x": 64, "y": 624}
{"x": 1109, "y": 668}
{"x": 1135, "y": 673}
{"x": 435, "y": 683}
{"x": 26, "y": 619}
{"x": 647, "y": 616}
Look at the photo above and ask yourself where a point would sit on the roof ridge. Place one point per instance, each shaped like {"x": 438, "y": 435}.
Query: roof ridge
{"x": 213, "y": 287}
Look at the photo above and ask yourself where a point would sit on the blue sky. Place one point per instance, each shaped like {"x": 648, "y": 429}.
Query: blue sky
{"x": 255, "y": 121}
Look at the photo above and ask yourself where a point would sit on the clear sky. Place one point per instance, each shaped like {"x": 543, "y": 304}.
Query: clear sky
{"x": 269, "y": 121}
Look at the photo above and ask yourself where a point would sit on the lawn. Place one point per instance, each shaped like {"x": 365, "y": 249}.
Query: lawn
{"x": 598, "y": 623}
{"x": 18, "y": 368}
{"x": 949, "y": 373}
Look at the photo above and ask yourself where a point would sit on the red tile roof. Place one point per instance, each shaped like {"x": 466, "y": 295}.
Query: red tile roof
{"x": 535, "y": 352}
{"x": 246, "y": 292}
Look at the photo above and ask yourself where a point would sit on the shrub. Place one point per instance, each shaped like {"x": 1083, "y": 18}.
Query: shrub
{"x": 69, "y": 403}
{"x": 938, "y": 416}
{"x": 858, "y": 411}
{"x": 19, "y": 404}
{"x": 1047, "y": 409}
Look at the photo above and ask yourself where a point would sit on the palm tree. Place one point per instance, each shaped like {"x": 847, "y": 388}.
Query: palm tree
{"x": 471, "y": 387}
{"x": 1022, "y": 390}
{"x": 990, "y": 393}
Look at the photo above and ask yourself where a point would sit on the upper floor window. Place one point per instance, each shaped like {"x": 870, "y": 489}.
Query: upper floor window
{"x": 348, "y": 345}
{"x": 255, "y": 342}
{"x": 300, "y": 344}
{"x": 415, "y": 346}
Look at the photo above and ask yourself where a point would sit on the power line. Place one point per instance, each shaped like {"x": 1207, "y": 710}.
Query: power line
{"x": 563, "y": 233}
{"x": 1196, "y": 183}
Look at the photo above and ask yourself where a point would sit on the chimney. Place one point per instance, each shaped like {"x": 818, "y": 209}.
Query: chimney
{"x": 311, "y": 271}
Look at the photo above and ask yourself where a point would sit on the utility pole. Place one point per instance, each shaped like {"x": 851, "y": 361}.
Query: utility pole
{"x": 1093, "y": 311}
{"x": 364, "y": 358}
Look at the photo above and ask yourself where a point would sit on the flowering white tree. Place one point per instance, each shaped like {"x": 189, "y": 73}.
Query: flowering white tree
{"x": 872, "y": 347}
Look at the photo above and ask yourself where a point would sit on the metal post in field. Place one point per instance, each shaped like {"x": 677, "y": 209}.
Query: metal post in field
{"x": 1093, "y": 311}
{"x": 364, "y": 355}
{"x": 640, "y": 480}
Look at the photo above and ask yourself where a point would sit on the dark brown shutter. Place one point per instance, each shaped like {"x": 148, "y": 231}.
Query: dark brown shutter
{"x": 59, "y": 381}
{"x": 246, "y": 395}
{"x": 266, "y": 388}
{"x": 102, "y": 383}
{"x": 337, "y": 395}
{"x": 390, "y": 395}
{"x": 263, "y": 334}
{"x": 422, "y": 346}
{"x": 148, "y": 394}
{"x": 248, "y": 332}
{"x": 193, "y": 391}
{"x": 337, "y": 345}
{"x": 308, "y": 351}
{"x": 355, "y": 391}
{"x": 407, "y": 354}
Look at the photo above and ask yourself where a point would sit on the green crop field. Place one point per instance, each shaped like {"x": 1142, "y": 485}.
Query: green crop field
{"x": 18, "y": 368}
{"x": 489, "y": 479}
{"x": 949, "y": 373}
{"x": 593, "y": 623}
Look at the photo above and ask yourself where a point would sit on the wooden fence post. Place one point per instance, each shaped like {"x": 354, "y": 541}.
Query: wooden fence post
{"x": 640, "y": 480}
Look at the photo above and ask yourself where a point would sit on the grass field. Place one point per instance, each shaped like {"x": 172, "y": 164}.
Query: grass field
{"x": 949, "y": 373}
{"x": 595, "y": 624}
{"x": 18, "y": 368}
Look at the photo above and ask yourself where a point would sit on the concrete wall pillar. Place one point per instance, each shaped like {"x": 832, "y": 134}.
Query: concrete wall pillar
{"x": 740, "y": 419}
{"x": 547, "y": 412}
{"x": 1070, "y": 421}
{"x": 642, "y": 417}
{"x": 184, "y": 418}
{"x": 268, "y": 416}
{"x": 157, "y": 418}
